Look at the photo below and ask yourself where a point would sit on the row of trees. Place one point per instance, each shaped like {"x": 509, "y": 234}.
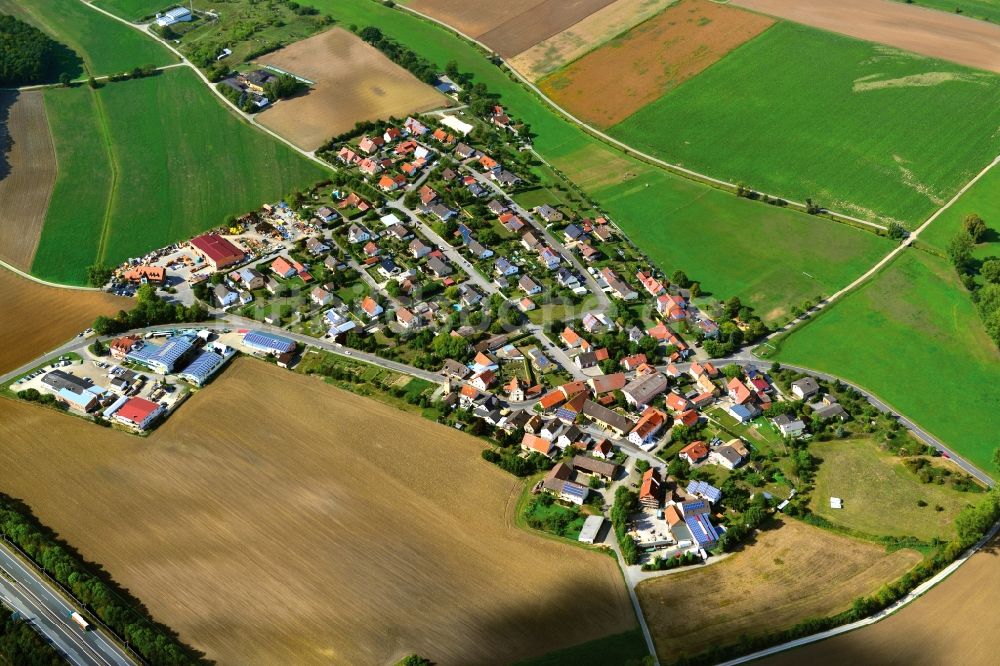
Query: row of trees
{"x": 987, "y": 296}
{"x": 626, "y": 502}
{"x": 150, "y": 310}
{"x": 155, "y": 643}
{"x": 419, "y": 66}
{"x": 27, "y": 55}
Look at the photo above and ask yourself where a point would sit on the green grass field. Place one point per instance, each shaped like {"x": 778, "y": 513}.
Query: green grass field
{"x": 985, "y": 10}
{"x": 733, "y": 246}
{"x": 858, "y": 127}
{"x": 79, "y": 201}
{"x": 913, "y": 337}
{"x": 880, "y": 494}
{"x": 183, "y": 161}
{"x": 983, "y": 198}
{"x": 134, "y": 10}
{"x": 106, "y": 46}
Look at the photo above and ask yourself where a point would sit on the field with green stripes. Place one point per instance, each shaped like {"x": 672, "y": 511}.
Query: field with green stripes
{"x": 105, "y": 45}
{"x": 148, "y": 162}
{"x": 861, "y": 128}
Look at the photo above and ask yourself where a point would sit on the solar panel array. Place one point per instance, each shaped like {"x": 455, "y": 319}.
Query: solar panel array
{"x": 268, "y": 342}
{"x": 202, "y": 367}
{"x": 168, "y": 354}
{"x": 144, "y": 353}
{"x": 702, "y": 530}
{"x": 574, "y": 490}
{"x": 701, "y": 488}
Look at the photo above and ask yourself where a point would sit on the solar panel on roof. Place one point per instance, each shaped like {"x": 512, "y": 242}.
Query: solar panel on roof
{"x": 268, "y": 341}
{"x": 563, "y": 413}
{"x": 171, "y": 351}
{"x": 202, "y": 367}
{"x": 143, "y": 353}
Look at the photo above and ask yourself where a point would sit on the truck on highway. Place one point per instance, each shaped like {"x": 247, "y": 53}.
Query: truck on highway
{"x": 80, "y": 622}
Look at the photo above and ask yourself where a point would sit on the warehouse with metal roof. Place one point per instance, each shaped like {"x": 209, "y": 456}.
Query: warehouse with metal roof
{"x": 268, "y": 342}
{"x": 204, "y": 365}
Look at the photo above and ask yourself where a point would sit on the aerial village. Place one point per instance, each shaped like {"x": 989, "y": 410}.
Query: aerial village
{"x": 546, "y": 333}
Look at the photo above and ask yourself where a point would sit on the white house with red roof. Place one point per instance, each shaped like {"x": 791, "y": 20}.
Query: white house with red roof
{"x": 138, "y": 413}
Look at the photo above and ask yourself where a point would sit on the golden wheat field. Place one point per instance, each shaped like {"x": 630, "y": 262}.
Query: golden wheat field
{"x": 276, "y": 519}
{"x": 954, "y": 623}
{"x": 791, "y": 572}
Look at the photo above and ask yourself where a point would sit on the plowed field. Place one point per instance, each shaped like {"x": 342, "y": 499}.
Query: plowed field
{"x": 955, "y": 623}
{"x": 549, "y": 55}
{"x": 36, "y": 319}
{"x": 944, "y": 35}
{"x": 27, "y": 174}
{"x": 277, "y": 520}
{"x": 353, "y": 81}
{"x": 510, "y": 27}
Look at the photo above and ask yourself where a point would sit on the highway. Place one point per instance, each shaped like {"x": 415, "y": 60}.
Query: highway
{"x": 25, "y": 590}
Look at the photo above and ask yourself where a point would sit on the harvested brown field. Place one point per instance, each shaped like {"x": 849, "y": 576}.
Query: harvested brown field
{"x": 27, "y": 174}
{"x": 955, "y": 623}
{"x": 549, "y": 55}
{"x": 542, "y": 21}
{"x": 353, "y": 82}
{"x": 614, "y": 81}
{"x": 37, "y": 319}
{"x": 276, "y": 520}
{"x": 792, "y": 572}
{"x": 906, "y": 26}
{"x": 472, "y": 18}
{"x": 511, "y": 27}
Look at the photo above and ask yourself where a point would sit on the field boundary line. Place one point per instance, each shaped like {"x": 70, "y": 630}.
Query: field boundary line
{"x": 912, "y": 596}
{"x": 113, "y": 162}
{"x": 876, "y": 399}
{"x": 46, "y": 283}
{"x": 882, "y": 263}
{"x": 142, "y": 28}
{"x": 628, "y": 150}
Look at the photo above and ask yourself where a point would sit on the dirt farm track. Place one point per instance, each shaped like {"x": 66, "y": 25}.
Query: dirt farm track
{"x": 925, "y": 31}
{"x": 353, "y": 82}
{"x": 955, "y": 623}
{"x": 27, "y": 174}
{"x": 276, "y": 520}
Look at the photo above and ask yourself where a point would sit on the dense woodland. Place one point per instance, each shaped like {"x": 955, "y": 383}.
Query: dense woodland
{"x": 20, "y": 644}
{"x": 27, "y": 55}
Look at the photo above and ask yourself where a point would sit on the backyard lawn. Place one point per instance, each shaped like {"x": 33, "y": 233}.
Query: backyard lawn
{"x": 913, "y": 337}
{"x": 880, "y": 494}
